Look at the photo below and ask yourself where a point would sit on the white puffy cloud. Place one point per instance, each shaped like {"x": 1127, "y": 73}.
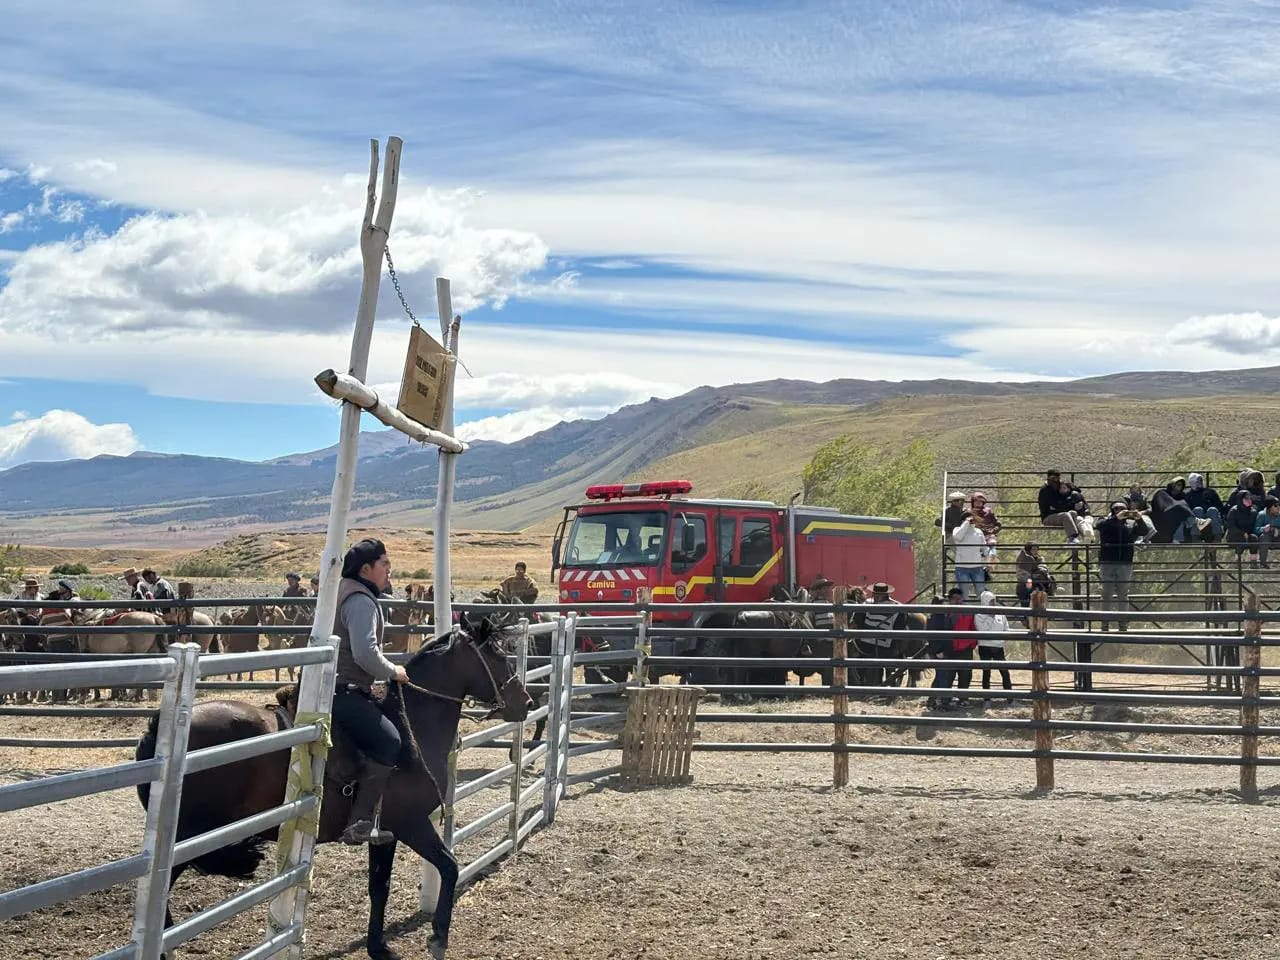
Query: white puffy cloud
{"x": 291, "y": 270}
{"x": 1249, "y": 334}
{"x": 62, "y": 435}
{"x": 509, "y": 427}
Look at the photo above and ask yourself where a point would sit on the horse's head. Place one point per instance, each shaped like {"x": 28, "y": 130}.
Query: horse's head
{"x": 493, "y": 680}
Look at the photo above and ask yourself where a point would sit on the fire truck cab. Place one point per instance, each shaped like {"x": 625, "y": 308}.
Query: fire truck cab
{"x": 688, "y": 552}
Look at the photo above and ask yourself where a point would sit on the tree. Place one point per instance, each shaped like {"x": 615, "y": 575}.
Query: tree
{"x": 858, "y": 478}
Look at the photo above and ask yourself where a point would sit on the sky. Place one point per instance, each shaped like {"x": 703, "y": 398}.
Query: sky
{"x": 630, "y": 200}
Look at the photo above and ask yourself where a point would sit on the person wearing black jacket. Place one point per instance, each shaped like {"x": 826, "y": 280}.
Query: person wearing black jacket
{"x": 1241, "y": 521}
{"x": 1056, "y": 506}
{"x": 1205, "y": 503}
{"x": 1116, "y": 537}
{"x": 1172, "y": 518}
{"x": 1252, "y": 484}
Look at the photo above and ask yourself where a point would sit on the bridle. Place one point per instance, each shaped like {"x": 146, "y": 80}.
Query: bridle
{"x": 499, "y": 701}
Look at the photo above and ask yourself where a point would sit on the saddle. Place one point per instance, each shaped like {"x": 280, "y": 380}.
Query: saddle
{"x": 342, "y": 769}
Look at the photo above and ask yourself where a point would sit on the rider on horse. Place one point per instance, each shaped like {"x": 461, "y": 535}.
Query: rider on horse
{"x": 366, "y": 573}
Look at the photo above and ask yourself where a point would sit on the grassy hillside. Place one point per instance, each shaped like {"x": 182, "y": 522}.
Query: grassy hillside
{"x": 971, "y": 433}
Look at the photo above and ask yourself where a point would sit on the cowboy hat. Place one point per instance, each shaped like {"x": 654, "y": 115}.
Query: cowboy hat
{"x": 30, "y": 582}
{"x": 882, "y": 587}
{"x": 129, "y": 573}
{"x": 821, "y": 582}
{"x": 955, "y": 495}
{"x": 292, "y": 576}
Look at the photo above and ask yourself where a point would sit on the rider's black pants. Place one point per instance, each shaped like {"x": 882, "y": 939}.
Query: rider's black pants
{"x": 374, "y": 734}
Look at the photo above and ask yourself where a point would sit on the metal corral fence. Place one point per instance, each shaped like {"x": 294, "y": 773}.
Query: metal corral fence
{"x": 528, "y": 801}
{"x": 178, "y": 671}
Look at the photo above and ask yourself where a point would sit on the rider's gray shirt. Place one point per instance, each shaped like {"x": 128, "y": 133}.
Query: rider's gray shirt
{"x": 360, "y": 614}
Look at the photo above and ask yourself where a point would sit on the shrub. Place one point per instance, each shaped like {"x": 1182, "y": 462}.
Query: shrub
{"x": 94, "y": 592}
{"x": 194, "y": 567}
{"x": 422, "y": 573}
{"x": 70, "y": 570}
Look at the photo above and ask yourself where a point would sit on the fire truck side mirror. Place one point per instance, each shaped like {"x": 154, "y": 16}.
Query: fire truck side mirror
{"x": 688, "y": 538}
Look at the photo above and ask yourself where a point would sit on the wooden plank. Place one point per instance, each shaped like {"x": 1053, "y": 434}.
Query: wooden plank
{"x": 1041, "y": 708}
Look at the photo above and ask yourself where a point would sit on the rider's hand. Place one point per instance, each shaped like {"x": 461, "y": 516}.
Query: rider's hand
{"x": 400, "y": 676}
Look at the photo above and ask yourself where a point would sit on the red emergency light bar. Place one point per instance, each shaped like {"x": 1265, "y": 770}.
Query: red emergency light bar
{"x": 657, "y": 488}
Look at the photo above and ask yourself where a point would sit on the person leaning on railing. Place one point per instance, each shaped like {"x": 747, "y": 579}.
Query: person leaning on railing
{"x": 1267, "y": 528}
{"x": 1116, "y": 537}
{"x": 1241, "y": 524}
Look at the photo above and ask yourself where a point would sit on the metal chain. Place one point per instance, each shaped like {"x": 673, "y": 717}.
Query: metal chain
{"x": 395, "y": 282}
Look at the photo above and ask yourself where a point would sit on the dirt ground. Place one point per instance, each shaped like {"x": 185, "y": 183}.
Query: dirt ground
{"x": 919, "y": 857}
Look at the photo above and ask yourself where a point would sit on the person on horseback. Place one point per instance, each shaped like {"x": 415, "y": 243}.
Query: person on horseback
{"x": 520, "y": 586}
{"x": 359, "y": 626}
{"x": 293, "y": 588}
{"x": 137, "y": 589}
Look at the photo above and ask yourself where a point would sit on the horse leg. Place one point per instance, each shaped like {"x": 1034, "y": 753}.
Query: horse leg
{"x": 174, "y": 874}
{"x": 381, "y": 859}
{"x": 423, "y": 840}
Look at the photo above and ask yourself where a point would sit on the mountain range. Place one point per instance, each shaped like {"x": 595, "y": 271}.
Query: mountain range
{"x": 749, "y": 437}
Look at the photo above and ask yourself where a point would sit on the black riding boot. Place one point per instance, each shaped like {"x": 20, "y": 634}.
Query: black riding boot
{"x": 373, "y": 779}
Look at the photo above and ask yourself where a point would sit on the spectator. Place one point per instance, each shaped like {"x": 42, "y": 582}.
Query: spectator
{"x": 985, "y": 519}
{"x": 1267, "y": 528}
{"x": 988, "y": 648}
{"x": 1136, "y": 498}
{"x": 971, "y": 556}
{"x": 878, "y": 613}
{"x": 822, "y": 592}
{"x": 1028, "y": 560}
{"x": 1251, "y": 483}
{"x": 952, "y": 515}
{"x": 1117, "y": 535}
{"x": 1241, "y": 522}
{"x": 1055, "y": 510}
{"x": 1172, "y": 518}
{"x": 1074, "y": 500}
{"x": 1275, "y": 491}
{"x": 959, "y": 648}
{"x": 1039, "y": 579}
{"x": 1205, "y": 504}
{"x": 1177, "y": 488}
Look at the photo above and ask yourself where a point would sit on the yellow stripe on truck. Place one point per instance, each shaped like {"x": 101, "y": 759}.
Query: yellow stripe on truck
{"x": 819, "y": 525}
{"x": 750, "y": 581}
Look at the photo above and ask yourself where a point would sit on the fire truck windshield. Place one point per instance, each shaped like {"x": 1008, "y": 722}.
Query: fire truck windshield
{"x": 634, "y": 537}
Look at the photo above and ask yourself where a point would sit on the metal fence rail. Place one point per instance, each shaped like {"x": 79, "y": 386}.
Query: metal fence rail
{"x": 178, "y": 672}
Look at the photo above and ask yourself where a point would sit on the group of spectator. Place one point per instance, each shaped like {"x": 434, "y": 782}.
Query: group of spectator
{"x": 968, "y": 632}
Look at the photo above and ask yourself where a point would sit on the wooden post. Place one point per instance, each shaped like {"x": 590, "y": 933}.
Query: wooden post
{"x": 315, "y": 688}
{"x": 1041, "y": 708}
{"x": 642, "y": 635}
{"x": 840, "y": 699}
{"x": 449, "y": 327}
{"x": 1251, "y": 660}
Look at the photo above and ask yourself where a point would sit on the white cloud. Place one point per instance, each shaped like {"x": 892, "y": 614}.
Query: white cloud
{"x": 62, "y": 435}
{"x": 7, "y": 174}
{"x": 509, "y": 427}
{"x": 20, "y": 415}
{"x": 292, "y": 270}
{"x": 11, "y": 220}
{"x": 1248, "y": 334}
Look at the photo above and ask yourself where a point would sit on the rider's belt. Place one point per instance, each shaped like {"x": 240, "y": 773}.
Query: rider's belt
{"x": 356, "y": 688}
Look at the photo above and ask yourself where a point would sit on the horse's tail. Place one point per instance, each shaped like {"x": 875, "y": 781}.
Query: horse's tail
{"x": 215, "y": 644}
{"x": 145, "y": 750}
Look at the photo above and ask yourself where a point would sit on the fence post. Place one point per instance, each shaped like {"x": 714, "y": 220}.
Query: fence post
{"x": 566, "y": 729}
{"x": 1251, "y": 660}
{"x": 1041, "y": 708}
{"x": 517, "y": 741}
{"x": 839, "y": 682}
{"x": 315, "y": 697}
{"x": 555, "y": 687}
{"x": 642, "y": 635}
{"x": 152, "y": 895}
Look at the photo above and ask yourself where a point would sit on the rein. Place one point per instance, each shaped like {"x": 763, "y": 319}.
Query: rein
{"x": 498, "y": 702}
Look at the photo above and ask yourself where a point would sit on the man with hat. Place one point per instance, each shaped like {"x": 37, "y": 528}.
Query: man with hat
{"x": 520, "y": 586}
{"x": 30, "y": 589}
{"x": 359, "y": 626}
{"x": 885, "y": 617}
{"x": 1116, "y": 536}
{"x": 952, "y": 515}
{"x": 293, "y": 588}
{"x": 821, "y": 592}
{"x": 137, "y": 589}
{"x": 160, "y": 589}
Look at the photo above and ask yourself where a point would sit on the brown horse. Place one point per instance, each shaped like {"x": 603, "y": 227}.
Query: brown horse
{"x": 253, "y": 616}
{"x": 443, "y": 674}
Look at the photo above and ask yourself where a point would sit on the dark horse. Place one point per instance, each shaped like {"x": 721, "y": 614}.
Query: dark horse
{"x": 472, "y": 664}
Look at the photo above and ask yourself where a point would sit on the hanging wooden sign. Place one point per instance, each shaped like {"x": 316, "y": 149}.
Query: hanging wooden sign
{"x": 428, "y": 370}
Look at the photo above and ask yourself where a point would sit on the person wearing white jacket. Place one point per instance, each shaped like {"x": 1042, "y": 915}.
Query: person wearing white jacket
{"x": 988, "y": 648}
{"x": 971, "y": 556}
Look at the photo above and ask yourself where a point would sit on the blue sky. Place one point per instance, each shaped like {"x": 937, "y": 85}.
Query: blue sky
{"x": 629, "y": 201}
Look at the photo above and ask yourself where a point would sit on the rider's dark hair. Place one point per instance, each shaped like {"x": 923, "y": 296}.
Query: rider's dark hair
{"x": 363, "y": 551}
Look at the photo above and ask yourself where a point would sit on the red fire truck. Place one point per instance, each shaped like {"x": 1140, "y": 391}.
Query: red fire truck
{"x": 689, "y": 551}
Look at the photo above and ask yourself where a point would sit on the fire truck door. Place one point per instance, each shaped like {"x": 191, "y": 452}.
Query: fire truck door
{"x": 726, "y": 539}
